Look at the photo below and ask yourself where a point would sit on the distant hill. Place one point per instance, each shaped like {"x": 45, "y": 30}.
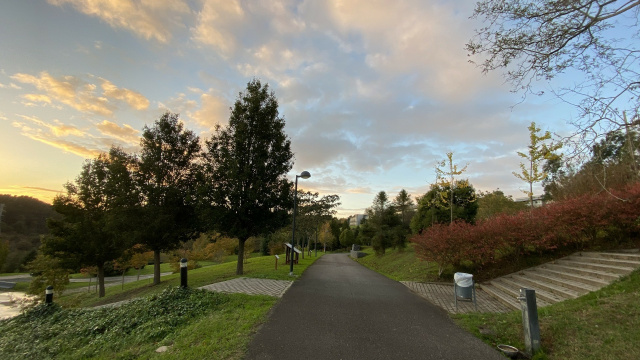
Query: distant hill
{"x": 22, "y": 221}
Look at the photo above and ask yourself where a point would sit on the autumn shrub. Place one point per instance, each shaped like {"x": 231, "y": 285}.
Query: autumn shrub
{"x": 595, "y": 221}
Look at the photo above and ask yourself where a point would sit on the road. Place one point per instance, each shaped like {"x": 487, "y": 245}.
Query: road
{"x": 339, "y": 309}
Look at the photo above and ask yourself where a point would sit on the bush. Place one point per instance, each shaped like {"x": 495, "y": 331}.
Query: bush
{"x": 589, "y": 221}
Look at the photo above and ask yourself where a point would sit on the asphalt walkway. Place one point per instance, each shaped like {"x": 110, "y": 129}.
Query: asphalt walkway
{"x": 339, "y": 309}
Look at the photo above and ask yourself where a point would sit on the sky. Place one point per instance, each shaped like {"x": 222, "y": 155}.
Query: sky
{"x": 374, "y": 93}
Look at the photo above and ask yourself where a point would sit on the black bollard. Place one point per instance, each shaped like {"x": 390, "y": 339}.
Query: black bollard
{"x": 48, "y": 297}
{"x": 183, "y": 273}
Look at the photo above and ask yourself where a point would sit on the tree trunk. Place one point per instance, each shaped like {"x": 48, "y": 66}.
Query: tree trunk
{"x": 156, "y": 267}
{"x": 240, "y": 266}
{"x": 101, "y": 280}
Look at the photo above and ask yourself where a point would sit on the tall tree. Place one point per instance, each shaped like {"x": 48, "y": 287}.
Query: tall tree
{"x": 532, "y": 40}
{"x": 383, "y": 227}
{"x": 446, "y": 171}
{"x": 538, "y": 151}
{"x": 404, "y": 202}
{"x": 312, "y": 211}
{"x": 248, "y": 161}
{"x": 95, "y": 213}
{"x": 168, "y": 178}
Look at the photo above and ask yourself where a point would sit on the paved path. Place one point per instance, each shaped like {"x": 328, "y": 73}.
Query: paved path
{"x": 341, "y": 310}
{"x": 251, "y": 286}
{"x": 442, "y": 295}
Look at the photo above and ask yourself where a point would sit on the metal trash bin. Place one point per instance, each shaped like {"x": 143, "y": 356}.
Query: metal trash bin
{"x": 464, "y": 288}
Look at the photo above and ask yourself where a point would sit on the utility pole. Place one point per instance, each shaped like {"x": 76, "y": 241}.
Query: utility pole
{"x": 1, "y": 210}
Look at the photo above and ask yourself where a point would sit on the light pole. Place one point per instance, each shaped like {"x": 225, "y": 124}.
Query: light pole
{"x": 304, "y": 175}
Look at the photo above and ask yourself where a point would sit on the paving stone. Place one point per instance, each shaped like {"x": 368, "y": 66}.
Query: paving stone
{"x": 442, "y": 296}
{"x": 251, "y": 286}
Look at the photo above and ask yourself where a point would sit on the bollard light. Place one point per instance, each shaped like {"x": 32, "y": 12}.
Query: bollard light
{"x": 48, "y": 295}
{"x": 183, "y": 273}
{"x": 304, "y": 175}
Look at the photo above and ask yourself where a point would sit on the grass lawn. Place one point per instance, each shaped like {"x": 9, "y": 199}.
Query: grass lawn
{"x": 400, "y": 265}
{"x": 602, "y": 325}
{"x": 256, "y": 267}
{"x": 194, "y": 324}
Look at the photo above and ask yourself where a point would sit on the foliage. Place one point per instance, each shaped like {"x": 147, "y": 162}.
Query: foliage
{"x": 96, "y": 213}
{"x": 538, "y": 40}
{"x": 312, "y": 211}
{"x": 326, "y": 236}
{"x": 613, "y": 164}
{"x": 538, "y": 151}
{"x": 495, "y": 202}
{"x": 167, "y": 175}
{"x": 4, "y": 252}
{"x": 383, "y": 228}
{"x": 47, "y": 271}
{"x": 347, "y": 238}
{"x": 247, "y": 162}
{"x": 588, "y": 221}
{"x": 432, "y": 210}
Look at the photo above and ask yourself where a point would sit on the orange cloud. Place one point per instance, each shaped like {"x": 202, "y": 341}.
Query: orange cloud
{"x": 147, "y": 19}
{"x": 79, "y": 94}
{"x": 133, "y": 98}
{"x": 125, "y": 133}
{"x": 68, "y": 90}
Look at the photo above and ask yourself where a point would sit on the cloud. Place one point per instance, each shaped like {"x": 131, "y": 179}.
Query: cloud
{"x": 80, "y": 94}
{"x": 133, "y": 98}
{"x": 148, "y": 19}
{"x": 213, "y": 110}
{"x": 68, "y": 90}
{"x": 126, "y": 133}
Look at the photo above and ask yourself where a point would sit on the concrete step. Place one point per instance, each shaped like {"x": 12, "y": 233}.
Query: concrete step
{"x": 631, "y": 256}
{"x": 622, "y": 270}
{"x": 543, "y": 285}
{"x": 569, "y": 268}
{"x": 543, "y": 297}
{"x": 507, "y": 299}
{"x": 616, "y": 259}
{"x": 580, "y": 283}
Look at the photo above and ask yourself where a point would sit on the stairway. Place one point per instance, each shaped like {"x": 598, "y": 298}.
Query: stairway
{"x": 565, "y": 278}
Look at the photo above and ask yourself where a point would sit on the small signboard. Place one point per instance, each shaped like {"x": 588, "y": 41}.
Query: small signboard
{"x": 277, "y": 257}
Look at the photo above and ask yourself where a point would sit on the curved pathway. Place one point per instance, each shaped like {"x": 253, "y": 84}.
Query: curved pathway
{"x": 341, "y": 310}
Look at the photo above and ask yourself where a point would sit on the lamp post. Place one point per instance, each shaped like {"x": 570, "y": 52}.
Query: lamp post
{"x": 304, "y": 175}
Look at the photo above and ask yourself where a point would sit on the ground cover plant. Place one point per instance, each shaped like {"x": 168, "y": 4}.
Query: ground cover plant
{"x": 601, "y": 325}
{"x": 193, "y": 323}
{"x": 594, "y": 221}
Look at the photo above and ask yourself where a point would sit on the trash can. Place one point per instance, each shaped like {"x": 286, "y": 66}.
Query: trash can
{"x": 464, "y": 282}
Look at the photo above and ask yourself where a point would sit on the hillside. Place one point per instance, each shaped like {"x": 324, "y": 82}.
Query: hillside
{"x": 22, "y": 222}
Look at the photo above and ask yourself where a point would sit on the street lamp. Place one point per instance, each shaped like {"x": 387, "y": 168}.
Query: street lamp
{"x": 304, "y": 175}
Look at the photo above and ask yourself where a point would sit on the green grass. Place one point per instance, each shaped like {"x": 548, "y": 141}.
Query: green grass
{"x": 12, "y": 274}
{"x": 195, "y": 324}
{"x": 400, "y": 265}
{"x": 256, "y": 267}
{"x": 601, "y": 325}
